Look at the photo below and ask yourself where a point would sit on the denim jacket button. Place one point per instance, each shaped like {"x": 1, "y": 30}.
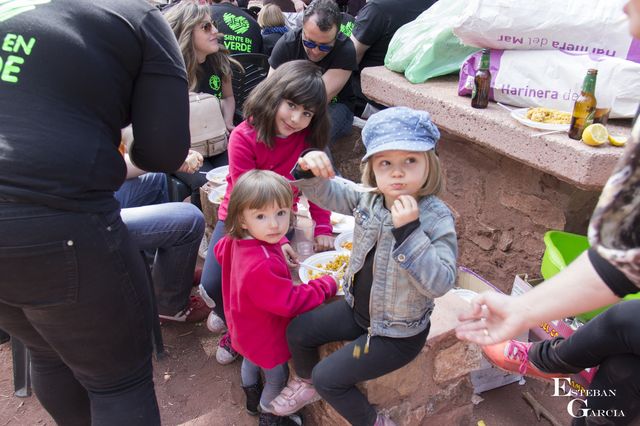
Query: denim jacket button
{"x": 401, "y": 258}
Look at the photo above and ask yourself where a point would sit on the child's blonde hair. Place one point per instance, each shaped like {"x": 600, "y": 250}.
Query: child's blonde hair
{"x": 271, "y": 16}
{"x": 433, "y": 184}
{"x": 256, "y": 189}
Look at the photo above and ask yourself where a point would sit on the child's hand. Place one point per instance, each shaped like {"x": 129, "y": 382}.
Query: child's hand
{"x": 323, "y": 243}
{"x": 290, "y": 255}
{"x": 318, "y": 162}
{"x": 404, "y": 210}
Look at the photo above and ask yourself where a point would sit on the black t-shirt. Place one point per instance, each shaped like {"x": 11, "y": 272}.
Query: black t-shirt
{"x": 209, "y": 81}
{"x": 241, "y": 31}
{"x": 342, "y": 56}
{"x": 72, "y": 74}
{"x": 377, "y": 22}
{"x": 269, "y": 41}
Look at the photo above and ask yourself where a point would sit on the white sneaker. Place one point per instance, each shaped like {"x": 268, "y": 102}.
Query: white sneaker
{"x": 215, "y": 324}
{"x": 204, "y": 245}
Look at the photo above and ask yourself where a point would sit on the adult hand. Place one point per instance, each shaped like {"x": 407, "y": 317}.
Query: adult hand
{"x": 290, "y": 255}
{"x": 192, "y": 163}
{"x": 230, "y": 127}
{"x": 323, "y": 243}
{"x": 319, "y": 164}
{"x": 299, "y": 5}
{"x": 404, "y": 210}
{"x": 492, "y": 318}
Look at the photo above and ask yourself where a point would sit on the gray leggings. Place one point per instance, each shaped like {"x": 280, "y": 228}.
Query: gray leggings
{"x": 275, "y": 380}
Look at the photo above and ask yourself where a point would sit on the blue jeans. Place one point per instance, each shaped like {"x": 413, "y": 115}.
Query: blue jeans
{"x": 341, "y": 118}
{"x": 144, "y": 190}
{"x": 275, "y": 379}
{"x": 74, "y": 288}
{"x": 211, "y": 281}
{"x": 172, "y": 231}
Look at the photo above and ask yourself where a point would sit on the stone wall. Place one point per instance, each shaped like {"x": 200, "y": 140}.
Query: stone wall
{"x": 503, "y": 208}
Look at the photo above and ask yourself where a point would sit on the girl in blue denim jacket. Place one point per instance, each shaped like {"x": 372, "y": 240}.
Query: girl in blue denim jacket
{"x": 404, "y": 256}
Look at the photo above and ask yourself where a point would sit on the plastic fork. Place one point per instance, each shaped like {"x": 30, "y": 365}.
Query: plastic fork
{"x": 314, "y": 268}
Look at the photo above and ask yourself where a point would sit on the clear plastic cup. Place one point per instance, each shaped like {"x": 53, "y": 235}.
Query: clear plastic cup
{"x": 303, "y": 237}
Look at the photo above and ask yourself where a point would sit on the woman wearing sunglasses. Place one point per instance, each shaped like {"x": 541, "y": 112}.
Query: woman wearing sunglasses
{"x": 209, "y": 70}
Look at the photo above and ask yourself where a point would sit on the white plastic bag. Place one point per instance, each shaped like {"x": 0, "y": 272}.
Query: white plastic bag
{"x": 553, "y": 79}
{"x": 586, "y": 26}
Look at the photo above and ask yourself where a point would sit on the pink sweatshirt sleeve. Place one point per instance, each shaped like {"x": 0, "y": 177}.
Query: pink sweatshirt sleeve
{"x": 242, "y": 157}
{"x": 275, "y": 292}
{"x": 322, "y": 218}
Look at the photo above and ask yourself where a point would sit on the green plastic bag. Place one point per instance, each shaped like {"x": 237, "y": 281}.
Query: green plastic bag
{"x": 426, "y": 47}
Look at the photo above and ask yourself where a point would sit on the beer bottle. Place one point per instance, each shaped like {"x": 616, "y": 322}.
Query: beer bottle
{"x": 585, "y": 107}
{"x": 482, "y": 82}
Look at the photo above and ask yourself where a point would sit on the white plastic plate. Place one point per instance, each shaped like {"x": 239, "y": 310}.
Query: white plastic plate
{"x": 520, "y": 115}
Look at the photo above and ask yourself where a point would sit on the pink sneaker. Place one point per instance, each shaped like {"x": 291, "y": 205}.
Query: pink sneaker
{"x": 383, "y": 420}
{"x": 293, "y": 397}
{"x": 513, "y": 356}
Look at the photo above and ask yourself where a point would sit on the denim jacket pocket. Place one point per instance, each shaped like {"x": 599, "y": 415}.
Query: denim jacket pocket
{"x": 39, "y": 275}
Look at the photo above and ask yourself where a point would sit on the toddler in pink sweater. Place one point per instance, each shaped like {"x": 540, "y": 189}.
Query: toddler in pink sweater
{"x": 259, "y": 296}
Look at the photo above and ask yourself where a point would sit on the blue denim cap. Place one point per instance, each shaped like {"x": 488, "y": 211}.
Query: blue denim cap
{"x": 399, "y": 128}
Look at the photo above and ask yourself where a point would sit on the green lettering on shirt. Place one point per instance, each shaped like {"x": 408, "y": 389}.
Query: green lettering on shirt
{"x": 347, "y": 28}
{"x": 214, "y": 82}
{"x": 8, "y": 69}
{"x": 238, "y": 47}
{"x": 238, "y": 24}
{"x": 15, "y": 42}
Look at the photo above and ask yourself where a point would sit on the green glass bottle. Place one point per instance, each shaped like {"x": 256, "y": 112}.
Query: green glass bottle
{"x": 584, "y": 109}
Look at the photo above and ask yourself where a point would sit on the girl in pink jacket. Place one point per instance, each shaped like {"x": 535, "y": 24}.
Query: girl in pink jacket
{"x": 259, "y": 296}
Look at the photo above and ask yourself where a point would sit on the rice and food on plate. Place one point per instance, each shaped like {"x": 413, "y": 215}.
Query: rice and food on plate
{"x": 332, "y": 266}
{"x": 548, "y": 115}
{"x": 347, "y": 245}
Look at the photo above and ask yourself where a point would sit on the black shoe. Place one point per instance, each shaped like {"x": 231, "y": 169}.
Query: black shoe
{"x": 4, "y": 337}
{"x": 268, "y": 419}
{"x": 253, "y": 393}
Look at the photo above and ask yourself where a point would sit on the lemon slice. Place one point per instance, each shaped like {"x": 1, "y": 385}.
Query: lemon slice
{"x": 595, "y": 135}
{"x": 618, "y": 140}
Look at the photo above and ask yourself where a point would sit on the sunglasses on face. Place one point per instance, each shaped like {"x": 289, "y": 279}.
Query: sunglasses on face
{"x": 322, "y": 47}
{"x": 207, "y": 27}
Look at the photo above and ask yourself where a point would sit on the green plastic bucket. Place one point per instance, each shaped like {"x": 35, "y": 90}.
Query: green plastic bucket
{"x": 561, "y": 249}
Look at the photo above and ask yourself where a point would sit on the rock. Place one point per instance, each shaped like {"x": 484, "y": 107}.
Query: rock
{"x": 456, "y": 361}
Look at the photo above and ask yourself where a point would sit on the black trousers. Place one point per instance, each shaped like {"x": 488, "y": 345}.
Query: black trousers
{"x": 335, "y": 376}
{"x": 74, "y": 290}
{"x": 611, "y": 340}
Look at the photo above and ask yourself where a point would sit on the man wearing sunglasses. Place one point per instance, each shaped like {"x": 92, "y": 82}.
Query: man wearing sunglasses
{"x": 320, "y": 41}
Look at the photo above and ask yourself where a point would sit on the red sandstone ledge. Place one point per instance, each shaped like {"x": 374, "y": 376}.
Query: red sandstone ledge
{"x": 571, "y": 161}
